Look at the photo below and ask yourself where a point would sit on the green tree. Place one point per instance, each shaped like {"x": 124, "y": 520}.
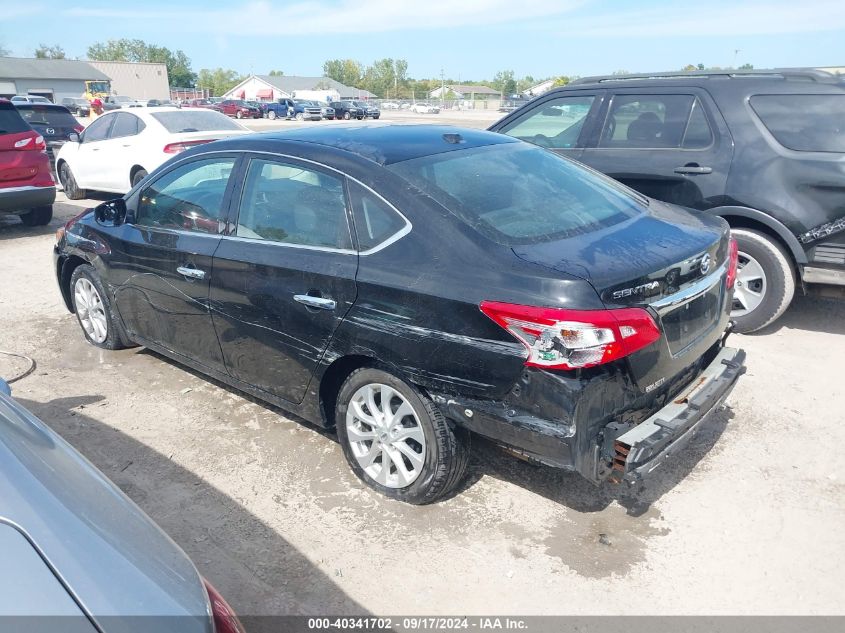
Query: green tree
{"x": 177, "y": 62}
{"x": 747, "y": 67}
{"x": 276, "y": 73}
{"x": 504, "y": 82}
{"x": 49, "y": 52}
{"x": 218, "y": 80}
{"x": 347, "y": 71}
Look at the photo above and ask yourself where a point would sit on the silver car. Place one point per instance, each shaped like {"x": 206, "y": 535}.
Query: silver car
{"x": 73, "y": 545}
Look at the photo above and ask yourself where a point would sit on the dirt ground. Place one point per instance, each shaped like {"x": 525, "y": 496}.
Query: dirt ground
{"x": 748, "y": 520}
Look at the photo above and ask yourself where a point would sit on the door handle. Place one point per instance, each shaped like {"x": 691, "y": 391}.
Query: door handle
{"x": 322, "y": 303}
{"x": 693, "y": 168}
{"x": 193, "y": 273}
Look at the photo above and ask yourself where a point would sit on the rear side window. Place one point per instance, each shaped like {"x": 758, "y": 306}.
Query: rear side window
{"x": 805, "y": 123}
{"x": 284, "y": 202}
{"x": 375, "y": 221}
{"x": 654, "y": 121}
{"x": 556, "y": 124}
{"x": 517, "y": 194}
{"x": 11, "y": 121}
{"x": 40, "y": 115}
{"x": 126, "y": 125}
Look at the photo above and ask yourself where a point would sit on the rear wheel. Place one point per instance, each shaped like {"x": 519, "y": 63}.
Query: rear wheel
{"x": 765, "y": 282}
{"x": 271, "y": 114}
{"x": 139, "y": 176}
{"x": 346, "y": 116}
{"x": 300, "y": 116}
{"x": 93, "y": 310}
{"x": 68, "y": 182}
{"x": 239, "y": 115}
{"x": 396, "y": 440}
{"x": 38, "y": 217}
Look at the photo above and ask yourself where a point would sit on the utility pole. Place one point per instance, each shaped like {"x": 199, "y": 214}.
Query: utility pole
{"x": 737, "y": 51}
{"x": 442, "y": 85}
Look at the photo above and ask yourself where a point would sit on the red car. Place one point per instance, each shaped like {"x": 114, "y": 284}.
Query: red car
{"x": 27, "y": 188}
{"x": 199, "y": 103}
{"x": 239, "y": 109}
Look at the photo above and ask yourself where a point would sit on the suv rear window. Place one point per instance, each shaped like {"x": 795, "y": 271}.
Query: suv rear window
{"x": 47, "y": 115}
{"x": 805, "y": 123}
{"x": 517, "y": 194}
{"x": 11, "y": 121}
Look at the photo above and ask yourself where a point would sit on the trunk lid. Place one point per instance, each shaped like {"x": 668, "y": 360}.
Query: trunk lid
{"x": 668, "y": 260}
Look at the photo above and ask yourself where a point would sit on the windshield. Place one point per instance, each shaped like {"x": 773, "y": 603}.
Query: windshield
{"x": 98, "y": 86}
{"x": 516, "y": 194}
{"x": 195, "y": 121}
{"x": 56, "y": 117}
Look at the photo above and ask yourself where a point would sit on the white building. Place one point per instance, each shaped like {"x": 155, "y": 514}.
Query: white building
{"x": 273, "y": 87}
{"x": 458, "y": 91}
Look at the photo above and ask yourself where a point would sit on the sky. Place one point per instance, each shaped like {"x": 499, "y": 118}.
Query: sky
{"x": 463, "y": 39}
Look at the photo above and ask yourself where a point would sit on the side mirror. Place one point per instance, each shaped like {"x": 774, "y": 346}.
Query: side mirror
{"x": 551, "y": 111}
{"x": 111, "y": 213}
{"x": 73, "y": 137}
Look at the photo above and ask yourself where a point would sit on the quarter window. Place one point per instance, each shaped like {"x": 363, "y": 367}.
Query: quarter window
{"x": 802, "y": 122}
{"x": 126, "y": 124}
{"x": 287, "y": 203}
{"x": 189, "y": 198}
{"x": 655, "y": 121}
{"x": 554, "y": 124}
{"x": 375, "y": 221}
{"x": 98, "y": 130}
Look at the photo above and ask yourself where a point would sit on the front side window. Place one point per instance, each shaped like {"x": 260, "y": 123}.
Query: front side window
{"x": 98, "y": 130}
{"x": 287, "y": 203}
{"x": 188, "y": 198}
{"x": 805, "y": 123}
{"x": 646, "y": 121}
{"x": 517, "y": 194}
{"x": 554, "y": 124}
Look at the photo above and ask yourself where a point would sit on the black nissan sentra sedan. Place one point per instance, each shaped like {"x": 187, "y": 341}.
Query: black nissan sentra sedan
{"x": 411, "y": 285}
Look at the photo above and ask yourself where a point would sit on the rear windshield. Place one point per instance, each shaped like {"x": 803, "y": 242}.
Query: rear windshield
{"x": 195, "y": 121}
{"x": 10, "y": 121}
{"x": 54, "y": 117}
{"x": 805, "y": 123}
{"x": 517, "y": 194}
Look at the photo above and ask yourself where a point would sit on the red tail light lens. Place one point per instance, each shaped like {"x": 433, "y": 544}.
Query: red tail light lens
{"x": 34, "y": 142}
{"x": 175, "y": 148}
{"x": 574, "y": 339}
{"x": 733, "y": 263}
{"x": 225, "y": 620}
{"x": 78, "y": 129}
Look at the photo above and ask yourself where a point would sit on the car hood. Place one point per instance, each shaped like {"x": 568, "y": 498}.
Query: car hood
{"x": 111, "y": 558}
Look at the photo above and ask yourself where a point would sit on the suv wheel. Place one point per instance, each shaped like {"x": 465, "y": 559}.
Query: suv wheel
{"x": 346, "y": 116}
{"x": 68, "y": 182}
{"x": 271, "y": 114}
{"x": 93, "y": 310}
{"x": 300, "y": 116}
{"x": 37, "y": 217}
{"x": 765, "y": 282}
{"x": 396, "y": 440}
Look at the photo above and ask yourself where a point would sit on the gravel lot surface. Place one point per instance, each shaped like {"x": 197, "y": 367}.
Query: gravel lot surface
{"x": 748, "y": 520}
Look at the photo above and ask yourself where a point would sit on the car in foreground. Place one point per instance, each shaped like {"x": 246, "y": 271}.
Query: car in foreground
{"x": 120, "y": 148}
{"x": 347, "y": 110}
{"x": 425, "y": 108}
{"x": 239, "y": 109}
{"x": 408, "y": 285}
{"x": 27, "y": 188}
{"x": 54, "y": 122}
{"x": 762, "y": 149}
{"x": 77, "y": 106}
{"x": 78, "y": 551}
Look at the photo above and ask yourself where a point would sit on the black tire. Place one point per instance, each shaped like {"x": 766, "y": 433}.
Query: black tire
{"x": 779, "y": 284}
{"x": 239, "y": 115}
{"x": 360, "y": 118}
{"x": 299, "y": 116}
{"x": 446, "y": 450}
{"x": 115, "y": 337}
{"x": 271, "y": 114}
{"x": 346, "y": 116}
{"x": 37, "y": 217}
{"x": 139, "y": 176}
{"x": 68, "y": 182}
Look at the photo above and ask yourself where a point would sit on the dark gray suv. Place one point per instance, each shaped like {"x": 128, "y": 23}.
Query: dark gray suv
{"x": 763, "y": 149}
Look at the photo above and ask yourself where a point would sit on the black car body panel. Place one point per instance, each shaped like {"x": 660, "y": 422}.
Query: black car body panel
{"x": 411, "y": 303}
{"x": 741, "y": 171}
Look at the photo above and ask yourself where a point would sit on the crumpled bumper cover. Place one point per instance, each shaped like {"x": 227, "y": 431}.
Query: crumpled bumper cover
{"x": 641, "y": 450}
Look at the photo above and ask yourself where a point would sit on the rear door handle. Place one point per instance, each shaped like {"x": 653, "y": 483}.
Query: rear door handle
{"x": 193, "y": 273}
{"x": 322, "y": 303}
{"x": 693, "y": 168}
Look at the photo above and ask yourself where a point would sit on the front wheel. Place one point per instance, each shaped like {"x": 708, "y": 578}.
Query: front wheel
{"x": 396, "y": 440}
{"x": 271, "y": 114}
{"x": 68, "y": 182}
{"x": 139, "y": 176}
{"x": 239, "y": 115}
{"x": 38, "y": 217}
{"x": 93, "y": 309}
{"x": 300, "y": 116}
{"x": 346, "y": 116}
{"x": 765, "y": 281}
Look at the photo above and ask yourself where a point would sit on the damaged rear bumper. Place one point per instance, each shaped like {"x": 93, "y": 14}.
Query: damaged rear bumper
{"x": 647, "y": 446}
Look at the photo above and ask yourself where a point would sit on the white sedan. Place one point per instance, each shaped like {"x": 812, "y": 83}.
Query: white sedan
{"x": 121, "y": 147}
{"x": 425, "y": 108}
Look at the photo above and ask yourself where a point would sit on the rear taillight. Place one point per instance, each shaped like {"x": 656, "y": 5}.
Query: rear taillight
{"x": 225, "y": 620}
{"x": 573, "y": 339}
{"x": 175, "y": 148}
{"x": 78, "y": 129}
{"x": 34, "y": 142}
{"x": 733, "y": 263}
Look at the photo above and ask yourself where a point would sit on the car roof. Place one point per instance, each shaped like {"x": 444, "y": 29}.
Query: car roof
{"x": 699, "y": 77}
{"x": 381, "y": 143}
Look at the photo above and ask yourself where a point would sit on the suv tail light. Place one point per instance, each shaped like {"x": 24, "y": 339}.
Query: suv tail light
{"x": 573, "y": 339}
{"x": 225, "y": 620}
{"x": 34, "y": 142}
{"x": 175, "y": 148}
{"x": 733, "y": 263}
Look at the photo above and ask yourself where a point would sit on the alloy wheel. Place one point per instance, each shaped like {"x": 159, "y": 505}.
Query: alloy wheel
{"x": 750, "y": 287}
{"x": 385, "y": 435}
{"x": 90, "y": 310}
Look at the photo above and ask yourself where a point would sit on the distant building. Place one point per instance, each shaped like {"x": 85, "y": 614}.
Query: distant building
{"x": 458, "y": 91}
{"x": 137, "y": 80}
{"x": 51, "y": 78}
{"x": 272, "y": 87}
